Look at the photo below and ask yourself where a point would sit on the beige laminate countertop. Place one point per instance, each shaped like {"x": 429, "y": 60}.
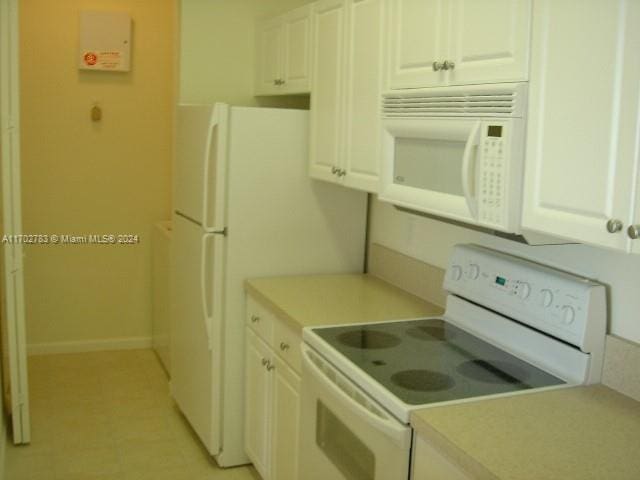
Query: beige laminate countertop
{"x": 315, "y": 300}
{"x": 582, "y": 433}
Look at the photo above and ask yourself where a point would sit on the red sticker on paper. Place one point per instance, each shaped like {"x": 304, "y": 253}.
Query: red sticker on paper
{"x": 90, "y": 59}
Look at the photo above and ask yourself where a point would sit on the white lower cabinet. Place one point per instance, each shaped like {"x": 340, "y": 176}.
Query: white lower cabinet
{"x": 430, "y": 464}
{"x": 272, "y": 405}
{"x": 286, "y": 422}
{"x": 258, "y": 388}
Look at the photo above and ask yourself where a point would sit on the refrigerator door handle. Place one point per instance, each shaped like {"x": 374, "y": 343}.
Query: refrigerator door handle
{"x": 215, "y": 161}
{"x": 204, "y": 290}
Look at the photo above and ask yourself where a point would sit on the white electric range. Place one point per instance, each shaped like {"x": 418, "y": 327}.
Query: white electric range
{"x": 510, "y": 327}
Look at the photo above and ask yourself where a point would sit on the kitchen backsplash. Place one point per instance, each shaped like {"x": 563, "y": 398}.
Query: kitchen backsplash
{"x": 407, "y": 273}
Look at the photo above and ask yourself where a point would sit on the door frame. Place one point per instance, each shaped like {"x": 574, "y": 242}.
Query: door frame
{"x": 13, "y": 272}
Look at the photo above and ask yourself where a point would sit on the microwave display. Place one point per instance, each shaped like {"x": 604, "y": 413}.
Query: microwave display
{"x": 494, "y": 131}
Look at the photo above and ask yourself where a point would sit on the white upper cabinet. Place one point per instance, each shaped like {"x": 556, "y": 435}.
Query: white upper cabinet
{"x": 269, "y": 57}
{"x": 418, "y": 36}
{"x": 458, "y": 42}
{"x": 346, "y": 92}
{"x": 489, "y": 41}
{"x": 363, "y": 94}
{"x": 283, "y": 63}
{"x": 327, "y": 98}
{"x": 297, "y": 50}
{"x": 583, "y": 121}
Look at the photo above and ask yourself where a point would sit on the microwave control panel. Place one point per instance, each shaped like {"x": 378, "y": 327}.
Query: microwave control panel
{"x": 493, "y": 175}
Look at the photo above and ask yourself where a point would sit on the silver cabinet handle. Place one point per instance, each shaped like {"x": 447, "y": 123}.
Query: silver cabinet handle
{"x": 614, "y": 226}
{"x": 255, "y": 318}
{"x": 437, "y": 66}
{"x": 447, "y": 65}
{"x": 634, "y": 231}
{"x": 284, "y": 346}
{"x": 279, "y": 81}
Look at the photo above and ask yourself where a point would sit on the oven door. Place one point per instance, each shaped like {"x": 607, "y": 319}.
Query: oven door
{"x": 430, "y": 164}
{"x": 344, "y": 434}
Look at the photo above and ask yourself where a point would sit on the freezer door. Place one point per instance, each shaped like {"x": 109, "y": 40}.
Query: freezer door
{"x": 200, "y": 169}
{"x": 196, "y": 290}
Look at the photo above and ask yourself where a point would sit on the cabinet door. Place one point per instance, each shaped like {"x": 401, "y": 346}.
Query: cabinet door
{"x": 258, "y": 403}
{"x": 418, "y": 32}
{"x": 296, "y": 65}
{"x": 430, "y": 464}
{"x": 363, "y": 90}
{"x": 489, "y": 41}
{"x": 286, "y": 422}
{"x": 269, "y": 56}
{"x": 327, "y": 93}
{"x": 578, "y": 170}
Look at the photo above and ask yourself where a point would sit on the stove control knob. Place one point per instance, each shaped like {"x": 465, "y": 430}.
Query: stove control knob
{"x": 473, "y": 272}
{"x": 456, "y": 272}
{"x": 547, "y": 297}
{"x": 568, "y": 315}
{"x": 524, "y": 289}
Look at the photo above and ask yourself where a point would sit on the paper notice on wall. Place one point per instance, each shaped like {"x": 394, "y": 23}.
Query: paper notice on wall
{"x": 108, "y": 60}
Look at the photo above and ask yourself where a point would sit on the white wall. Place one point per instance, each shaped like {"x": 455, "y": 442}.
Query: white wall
{"x": 217, "y": 51}
{"x": 431, "y": 241}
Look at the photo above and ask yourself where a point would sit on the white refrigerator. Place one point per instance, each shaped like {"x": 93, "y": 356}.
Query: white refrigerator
{"x": 244, "y": 206}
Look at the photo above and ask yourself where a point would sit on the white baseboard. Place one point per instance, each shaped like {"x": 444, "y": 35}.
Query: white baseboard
{"x": 82, "y": 346}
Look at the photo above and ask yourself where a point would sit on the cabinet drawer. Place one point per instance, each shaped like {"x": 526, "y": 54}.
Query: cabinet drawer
{"x": 260, "y": 320}
{"x": 287, "y": 345}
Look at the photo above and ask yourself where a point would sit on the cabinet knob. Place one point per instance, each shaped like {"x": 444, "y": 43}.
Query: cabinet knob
{"x": 614, "y": 226}
{"x": 255, "y": 318}
{"x": 284, "y": 346}
{"x": 437, "y": 66}
{"x": 335, "y": 170}
{"x": 270, "y": 367}
{"x": 265, "y": 362}
{"x": 447, "y": 65}
{"x": 341, "y": 172}
{"x": 634, "y": 232}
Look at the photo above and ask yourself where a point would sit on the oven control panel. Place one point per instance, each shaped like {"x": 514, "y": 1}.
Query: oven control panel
{"x": 560, "y": 304}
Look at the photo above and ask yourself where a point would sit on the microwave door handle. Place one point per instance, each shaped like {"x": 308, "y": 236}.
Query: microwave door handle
{"x": 381, "y": 421}
{"x": 468, "y": 179}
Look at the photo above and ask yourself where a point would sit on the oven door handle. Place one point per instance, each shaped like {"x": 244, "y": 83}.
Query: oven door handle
{"x": 468, "y": 176}
{"x": 380, "y": 420}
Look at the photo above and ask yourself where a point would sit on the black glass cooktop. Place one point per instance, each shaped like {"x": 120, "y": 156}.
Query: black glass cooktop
{"x": 427, "y": 361}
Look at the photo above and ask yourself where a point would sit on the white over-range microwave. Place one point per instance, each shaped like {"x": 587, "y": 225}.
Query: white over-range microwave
{"x": 456, "y": 153}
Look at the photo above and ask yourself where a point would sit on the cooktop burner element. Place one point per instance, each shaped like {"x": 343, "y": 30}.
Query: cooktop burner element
{"x": 368, "y": 339}
{"x": 431, "y": 333}
{"x": 432, "y": 360}
{"x": 422, "y": 380}
{"x": 492, "y": 372}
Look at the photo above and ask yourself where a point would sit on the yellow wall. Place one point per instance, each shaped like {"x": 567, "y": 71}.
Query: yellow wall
{"x": 218, "y": 49}
{"x": 81, "y": 177}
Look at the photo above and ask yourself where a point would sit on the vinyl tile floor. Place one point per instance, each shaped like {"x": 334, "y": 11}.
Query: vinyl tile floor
{"x": 108, "y": 416}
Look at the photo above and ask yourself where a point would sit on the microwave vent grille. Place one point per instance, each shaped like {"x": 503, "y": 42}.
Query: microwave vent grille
{"x": 454, "y": 102}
